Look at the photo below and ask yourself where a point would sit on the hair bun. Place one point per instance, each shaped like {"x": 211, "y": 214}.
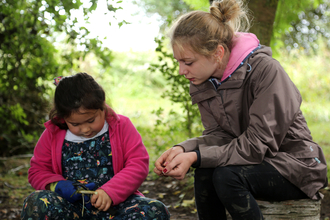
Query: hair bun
{"x": 226, "y": 10}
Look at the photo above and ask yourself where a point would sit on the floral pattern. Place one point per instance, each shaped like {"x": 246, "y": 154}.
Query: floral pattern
{"x": 88, "y": 161}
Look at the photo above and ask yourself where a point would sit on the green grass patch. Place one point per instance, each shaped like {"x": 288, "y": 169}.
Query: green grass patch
{"x": 321, "y": 135}
{"x": 14, "y": 186}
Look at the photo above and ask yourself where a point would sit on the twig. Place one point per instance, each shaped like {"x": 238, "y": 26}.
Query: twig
{"x": 17, "y": 156}
{"x": 18, "y": 168}
{"x": 16, "y": 187}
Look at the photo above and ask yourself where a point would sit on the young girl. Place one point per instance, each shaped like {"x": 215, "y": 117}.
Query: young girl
{"x": 256, "y": 142}
{"x": 86, "y": 145}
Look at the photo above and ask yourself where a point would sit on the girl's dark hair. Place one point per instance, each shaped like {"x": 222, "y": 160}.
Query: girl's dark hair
{"x": 75, "y": 92}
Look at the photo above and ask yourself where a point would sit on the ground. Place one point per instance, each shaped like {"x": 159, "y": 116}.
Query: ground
{"x": 176, "y": 195}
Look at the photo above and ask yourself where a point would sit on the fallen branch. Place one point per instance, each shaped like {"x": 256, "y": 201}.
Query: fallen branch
{"x": 16, "y": 187}
{"x": 18, "y": 168}
{"x": 17, "y": 156}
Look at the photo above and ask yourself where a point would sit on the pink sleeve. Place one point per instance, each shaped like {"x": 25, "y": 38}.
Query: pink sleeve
{"x": 41, "y": 171}
{"x": 134, "y": 166}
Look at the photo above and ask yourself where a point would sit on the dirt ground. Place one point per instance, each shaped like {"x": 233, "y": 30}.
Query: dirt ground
{"x": 176, "y": 195}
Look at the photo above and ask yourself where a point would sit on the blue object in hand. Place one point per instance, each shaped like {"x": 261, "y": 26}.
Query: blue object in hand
{"x": 67, "y": 190}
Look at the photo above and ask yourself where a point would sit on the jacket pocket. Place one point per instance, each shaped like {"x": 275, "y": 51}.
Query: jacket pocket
{"x": 310, "y": 162}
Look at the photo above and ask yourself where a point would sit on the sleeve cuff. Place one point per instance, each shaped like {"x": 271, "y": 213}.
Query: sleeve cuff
{"x": 52, "y": 186}
{"x": 198, "y": 162}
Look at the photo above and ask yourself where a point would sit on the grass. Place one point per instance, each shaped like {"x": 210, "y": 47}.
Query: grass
{"x": 14, "y": 187}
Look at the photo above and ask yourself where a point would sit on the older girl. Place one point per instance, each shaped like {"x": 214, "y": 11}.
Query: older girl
{"x": 256, "y": 143}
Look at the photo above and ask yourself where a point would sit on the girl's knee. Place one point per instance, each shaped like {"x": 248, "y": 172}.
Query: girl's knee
{"x": 203, "y": 176}
{"x": 222, "y": 174}
{"x": 32, "y": 204}
{"x": 35, "y": 196}
{"x": 145, "y": 207}
{"x": 226, "y": 177}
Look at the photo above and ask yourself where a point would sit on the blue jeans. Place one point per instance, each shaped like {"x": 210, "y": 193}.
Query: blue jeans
{"x": 236, "y": 189}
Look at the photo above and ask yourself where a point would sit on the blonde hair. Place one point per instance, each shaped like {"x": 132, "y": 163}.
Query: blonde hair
{"x": 203, "y": 31}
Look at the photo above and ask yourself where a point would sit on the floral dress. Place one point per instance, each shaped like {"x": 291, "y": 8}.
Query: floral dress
{"x": 86, "y": 162}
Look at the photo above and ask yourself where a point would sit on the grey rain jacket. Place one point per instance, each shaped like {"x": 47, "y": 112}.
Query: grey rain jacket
{"x": 254, "y": 116}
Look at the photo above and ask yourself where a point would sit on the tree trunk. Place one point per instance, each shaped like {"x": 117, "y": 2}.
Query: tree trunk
{"x": 263, "y": 12}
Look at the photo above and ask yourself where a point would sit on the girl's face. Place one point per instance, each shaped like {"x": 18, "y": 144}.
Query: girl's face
{"x": 86, "y": 123}
{"x": 195, "y": 67}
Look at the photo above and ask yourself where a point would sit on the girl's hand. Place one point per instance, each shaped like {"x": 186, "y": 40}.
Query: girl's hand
{"x": 180, "y": 165}
{"x": 101, "y": 200}
{"x": 165, "y": 158}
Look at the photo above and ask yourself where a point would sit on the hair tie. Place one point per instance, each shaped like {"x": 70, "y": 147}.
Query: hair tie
{"x": 57, "y": 80}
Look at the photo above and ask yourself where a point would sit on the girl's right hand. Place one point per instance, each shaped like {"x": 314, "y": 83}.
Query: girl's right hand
{"x": 166, "y": 158}
{"x": 101, "y": 200}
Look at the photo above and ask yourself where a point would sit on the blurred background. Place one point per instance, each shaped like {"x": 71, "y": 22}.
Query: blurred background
{"x": 124, "y": 46}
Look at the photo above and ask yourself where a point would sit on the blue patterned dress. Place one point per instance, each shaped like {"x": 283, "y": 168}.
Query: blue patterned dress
{"x": 85, "y": 162}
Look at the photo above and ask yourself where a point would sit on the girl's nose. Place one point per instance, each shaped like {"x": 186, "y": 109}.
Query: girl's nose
{"x": 182, "y": 70}
{"x": 84, "y": 128}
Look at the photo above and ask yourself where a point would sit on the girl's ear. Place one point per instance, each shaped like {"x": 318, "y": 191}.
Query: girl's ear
{"x": 219, "y": 53}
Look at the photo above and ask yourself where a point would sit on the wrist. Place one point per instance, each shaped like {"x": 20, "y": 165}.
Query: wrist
{"x": 192, "y": 157}
{"x": 179, "y": 146}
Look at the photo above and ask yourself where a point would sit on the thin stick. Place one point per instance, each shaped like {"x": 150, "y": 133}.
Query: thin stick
{"x": 82, "y": 191}
{"x": 83, "y": 198}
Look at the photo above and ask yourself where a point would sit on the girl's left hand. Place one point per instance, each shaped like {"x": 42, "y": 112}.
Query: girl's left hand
{"x": 101, "y": 200}
{"x": 179, "y": 165}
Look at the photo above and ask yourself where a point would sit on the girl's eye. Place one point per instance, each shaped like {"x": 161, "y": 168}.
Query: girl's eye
{"x": 91, "y": 121}
{"x": 74, "y": 125}
{"x": 188, "y": 64}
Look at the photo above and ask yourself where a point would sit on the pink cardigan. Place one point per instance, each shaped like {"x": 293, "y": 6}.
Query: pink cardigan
{"x": 129, "y": 157}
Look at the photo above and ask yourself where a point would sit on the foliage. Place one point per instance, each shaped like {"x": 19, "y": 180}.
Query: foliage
{"x": 130, "y": 88}
{"x": 29, "y": 58}
{"x": 179, "y": 86}
{"x": 305, "y": 27}
{"x": 198, "y": 4}
{"x": 168, "y": 10}
{"x": 169, "y": 129}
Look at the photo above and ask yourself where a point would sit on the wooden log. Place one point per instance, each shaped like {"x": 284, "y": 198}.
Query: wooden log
{"x": 304, "y": 209}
